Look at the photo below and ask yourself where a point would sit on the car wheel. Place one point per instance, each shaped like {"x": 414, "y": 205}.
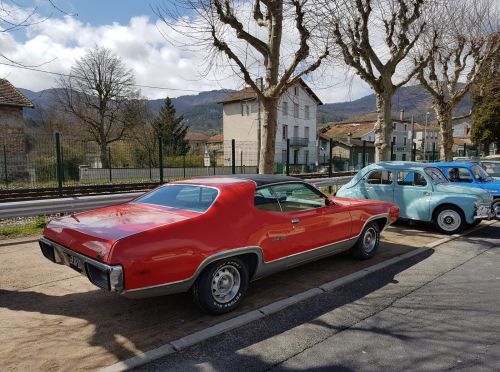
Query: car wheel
{"x": 449, "y": 219}
{"x": 221, "y": 286}
{"x": 368, "y": 242}
{"x": 496, "y": 208}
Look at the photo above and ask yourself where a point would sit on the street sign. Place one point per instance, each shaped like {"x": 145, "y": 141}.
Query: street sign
{"x": 206, "y": 159}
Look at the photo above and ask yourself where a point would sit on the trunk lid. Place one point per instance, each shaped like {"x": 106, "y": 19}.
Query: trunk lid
{"x": 93, "y": 233}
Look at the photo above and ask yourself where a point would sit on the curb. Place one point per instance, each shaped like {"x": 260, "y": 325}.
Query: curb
{"x": 274, "y": 307}
{"x": 8, "y": 242}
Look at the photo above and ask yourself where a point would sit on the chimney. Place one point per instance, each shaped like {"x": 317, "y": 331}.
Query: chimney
{"x": 349, "y": 138}
{"x": 402, "y": 115}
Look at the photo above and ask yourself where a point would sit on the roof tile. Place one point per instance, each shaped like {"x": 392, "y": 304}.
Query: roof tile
{"x": 10, "y": 96}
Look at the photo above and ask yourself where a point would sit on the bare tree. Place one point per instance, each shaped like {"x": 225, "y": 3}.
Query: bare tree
{"x": 97, "y": 91}
{"x": 459, "y": 39}
{"x": 251, "y": 39}
{"x": 375, "y": 37}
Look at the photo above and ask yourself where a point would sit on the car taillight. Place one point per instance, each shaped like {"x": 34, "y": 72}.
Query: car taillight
{"x": 394, "y": 212}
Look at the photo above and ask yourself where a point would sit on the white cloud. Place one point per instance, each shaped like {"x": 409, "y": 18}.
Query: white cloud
{"x": 57, "y": 42}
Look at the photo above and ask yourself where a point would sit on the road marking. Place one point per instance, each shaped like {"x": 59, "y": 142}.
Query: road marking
{"x": 246, "y": 318}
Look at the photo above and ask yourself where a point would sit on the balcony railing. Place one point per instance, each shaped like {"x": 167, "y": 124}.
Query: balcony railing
{"x": 299, "y": 142}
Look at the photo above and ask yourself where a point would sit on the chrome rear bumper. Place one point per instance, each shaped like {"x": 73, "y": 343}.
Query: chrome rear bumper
{"x": 104, "y": 276}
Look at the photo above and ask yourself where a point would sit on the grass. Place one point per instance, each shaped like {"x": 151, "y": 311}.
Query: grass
{"x": 35, "y": 227}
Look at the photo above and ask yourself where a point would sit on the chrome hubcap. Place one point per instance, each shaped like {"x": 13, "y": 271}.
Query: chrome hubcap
{"x": 370, "y": 239}
{"x": 449, "y": 220}
{"x": 226, "y": 284}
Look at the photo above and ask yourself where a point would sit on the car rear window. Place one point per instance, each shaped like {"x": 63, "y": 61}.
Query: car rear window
{"x": 187, "y": 197}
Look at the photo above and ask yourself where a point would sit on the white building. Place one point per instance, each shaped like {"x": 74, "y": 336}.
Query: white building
{"x": 427, "y": 139}
{"x": 296, "y": 121}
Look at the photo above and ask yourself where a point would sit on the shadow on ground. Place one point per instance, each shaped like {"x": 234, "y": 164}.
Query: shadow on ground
{"x": 123, "y": 326}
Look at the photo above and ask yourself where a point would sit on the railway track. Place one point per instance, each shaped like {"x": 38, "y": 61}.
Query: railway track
{"x": 27, "y": 194}
{"x": 11, "y": 195}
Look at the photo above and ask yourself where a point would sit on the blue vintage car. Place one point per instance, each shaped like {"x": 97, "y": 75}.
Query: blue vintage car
{"x": 492, "y": 167}
{"x": 470, "y": 174}
{"x": 422, "y": 193}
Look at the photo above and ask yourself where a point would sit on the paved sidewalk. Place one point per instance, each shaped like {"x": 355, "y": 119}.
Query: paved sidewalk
{"x": 438, "y": 311}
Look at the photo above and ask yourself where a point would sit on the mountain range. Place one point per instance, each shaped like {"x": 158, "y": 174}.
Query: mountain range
{"x": 203, "y": 114}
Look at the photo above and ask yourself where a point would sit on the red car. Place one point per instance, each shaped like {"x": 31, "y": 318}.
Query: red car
{"x": 212, "y": 236}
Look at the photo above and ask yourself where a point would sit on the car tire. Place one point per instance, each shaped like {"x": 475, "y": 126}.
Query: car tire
{"x": 221, "y": 286}
{"x": 495, "y": 207}
{"x": 449, "y": 219}
{"x": 368, "y": 242}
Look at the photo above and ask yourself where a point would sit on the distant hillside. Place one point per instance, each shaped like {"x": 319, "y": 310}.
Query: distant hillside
{"x": 203, "y": 114}
{"x": 201, "y": 111}
{"x": 415, "y": 100}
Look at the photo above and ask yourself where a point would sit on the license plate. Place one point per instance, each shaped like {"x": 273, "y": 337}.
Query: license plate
{"x": 75, "y": 263}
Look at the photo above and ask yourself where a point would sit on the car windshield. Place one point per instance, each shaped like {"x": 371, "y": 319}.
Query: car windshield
{"x": 480, "y": 174}
{"x": 436, "y": 175}
{"x": 187, "y": 197}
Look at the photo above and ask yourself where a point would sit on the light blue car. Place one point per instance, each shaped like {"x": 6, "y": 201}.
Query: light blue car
{"x": 471, "y": 174}
{"x": 422, "y": 193}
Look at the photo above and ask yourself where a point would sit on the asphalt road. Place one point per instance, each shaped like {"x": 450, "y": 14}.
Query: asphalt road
{"x": 85, "y": 328}
{"x": 437, "y": 311}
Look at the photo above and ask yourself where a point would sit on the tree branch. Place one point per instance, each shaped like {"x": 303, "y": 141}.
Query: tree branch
{"x": 227, "y": 17}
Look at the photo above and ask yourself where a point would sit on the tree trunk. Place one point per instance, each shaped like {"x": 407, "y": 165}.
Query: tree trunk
{"x": 268, "y": 136}
{"x": 103, "y": 150}
{"x": 383, "y": 127}
{"x": 443, "y": 115}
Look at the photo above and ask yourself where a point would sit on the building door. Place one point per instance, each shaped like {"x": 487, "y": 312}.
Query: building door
{"x": 296, "y": 156}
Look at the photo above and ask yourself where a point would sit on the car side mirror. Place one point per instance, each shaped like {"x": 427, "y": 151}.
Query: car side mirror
{"x": 329, "y": 202}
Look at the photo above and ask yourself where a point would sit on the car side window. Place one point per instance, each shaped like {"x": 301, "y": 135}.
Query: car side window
{"x": 297, "y": 197}
{"x": 379, "y": 177}
{"x": 411, "y": 178}
{"x": 265, "y": 200}
{"x": 459, "y": 175}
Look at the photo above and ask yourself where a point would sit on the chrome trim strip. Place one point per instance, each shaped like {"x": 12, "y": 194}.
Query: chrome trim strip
{"x": 263, "y": 268}
{"x": 115, "y": 272}
{"x": 185, "y": 284}
{"x": 272, "y": 267}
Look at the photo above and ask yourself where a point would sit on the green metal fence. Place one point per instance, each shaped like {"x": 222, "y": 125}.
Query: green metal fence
{"x": 58, "y": 161}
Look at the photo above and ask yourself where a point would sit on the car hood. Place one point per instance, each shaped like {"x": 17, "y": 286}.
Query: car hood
{"x": 464, "y": 190}
{"x": 93, "y": 233}
{"x": 492, "y": 186}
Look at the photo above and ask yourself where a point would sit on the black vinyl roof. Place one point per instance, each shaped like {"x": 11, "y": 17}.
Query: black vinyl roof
{"x": 264, "y": 179}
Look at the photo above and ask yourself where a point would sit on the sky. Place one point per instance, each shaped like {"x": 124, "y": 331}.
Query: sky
{"x": 131, "y": 30}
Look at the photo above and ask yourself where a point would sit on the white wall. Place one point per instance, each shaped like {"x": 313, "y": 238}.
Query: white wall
{"x": 244, "y": 128}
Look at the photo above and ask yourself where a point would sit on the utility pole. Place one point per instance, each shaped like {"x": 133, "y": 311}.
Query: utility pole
{"x": 259, "y": 82}
{"x": 425, "y": 135}
{"x": 412, "y": 136}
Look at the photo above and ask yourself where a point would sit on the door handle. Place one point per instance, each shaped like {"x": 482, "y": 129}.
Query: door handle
{"x": 426, "y": 193}
{"x": 295, "y": 220}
